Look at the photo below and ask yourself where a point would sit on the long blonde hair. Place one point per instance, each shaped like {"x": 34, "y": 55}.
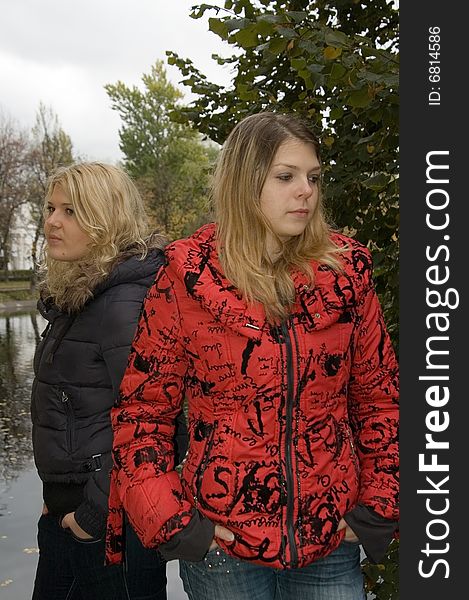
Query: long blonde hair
{"x": 109, "y": 208}
{"x": 242, "y": 229}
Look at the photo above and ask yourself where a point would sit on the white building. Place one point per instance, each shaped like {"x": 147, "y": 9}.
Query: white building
{"x": 21, "y": 239}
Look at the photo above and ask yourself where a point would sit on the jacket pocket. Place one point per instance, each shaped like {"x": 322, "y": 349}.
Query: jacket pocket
{"x": 70, "y": 419}
{"x": 203, "y": 457}
{"x": 79, "y": 540}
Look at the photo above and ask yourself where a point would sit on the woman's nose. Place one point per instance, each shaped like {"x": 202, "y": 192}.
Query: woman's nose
{"x": 304, "y": 188}
{"x": 53, "y": 220}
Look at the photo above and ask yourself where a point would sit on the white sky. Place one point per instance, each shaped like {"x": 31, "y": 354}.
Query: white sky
{"x": 62, "y": 53}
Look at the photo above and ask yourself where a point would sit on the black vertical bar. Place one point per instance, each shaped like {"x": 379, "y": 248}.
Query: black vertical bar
{"x": 434, "y": 334}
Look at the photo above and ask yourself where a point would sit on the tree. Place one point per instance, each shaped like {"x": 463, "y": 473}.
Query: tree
{"x": 336, "y": 64}
{"x": 168, "y": 159}
{"x": 14, "y": 148}
{"x": 51, "y": 148}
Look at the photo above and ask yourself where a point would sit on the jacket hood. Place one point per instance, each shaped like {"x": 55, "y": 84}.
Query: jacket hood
{"x": 130, "y": 270}
{"x": 195, "y": 261}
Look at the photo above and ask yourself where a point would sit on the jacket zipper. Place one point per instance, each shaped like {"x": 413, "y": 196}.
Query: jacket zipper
{"x": 203, "y": 465}
{"x": 352, "y": 449}
{"x": 70, "y": 419}
{"x": 288, "y": 448}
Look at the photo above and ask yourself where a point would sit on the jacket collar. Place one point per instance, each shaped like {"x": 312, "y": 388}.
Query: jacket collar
{"x": 196, "y": 263}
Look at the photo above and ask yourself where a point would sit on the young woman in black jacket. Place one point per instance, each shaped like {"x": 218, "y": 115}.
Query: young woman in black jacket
{"x": 99, "y": 261}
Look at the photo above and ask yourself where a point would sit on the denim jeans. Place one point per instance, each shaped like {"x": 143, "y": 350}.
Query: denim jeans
{"x": 70, "y": 569}
{"x": 337, "y": 576}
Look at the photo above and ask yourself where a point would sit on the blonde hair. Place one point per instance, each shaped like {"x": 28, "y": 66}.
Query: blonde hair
{"x": 240, "y": 174}
{"x": 109, "y": 208}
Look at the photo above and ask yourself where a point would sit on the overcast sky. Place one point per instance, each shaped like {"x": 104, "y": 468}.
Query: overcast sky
{"x": 62, "y": 52}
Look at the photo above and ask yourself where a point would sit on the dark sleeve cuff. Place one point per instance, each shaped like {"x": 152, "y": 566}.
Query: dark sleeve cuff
{"x": 192, "y": 543}
{"x": 91, "y": 519}
{"x": 374, "y": 531}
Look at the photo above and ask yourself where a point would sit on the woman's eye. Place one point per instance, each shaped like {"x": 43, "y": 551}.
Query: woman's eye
{"x": 69, "y": 211}
{"x": 313, "y": 178}
{"x": 285, "y": 177}
{"x": 49, "y": 209}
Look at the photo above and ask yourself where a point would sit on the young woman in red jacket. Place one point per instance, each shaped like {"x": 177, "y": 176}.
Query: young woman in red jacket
{"x": 268, "y": 324}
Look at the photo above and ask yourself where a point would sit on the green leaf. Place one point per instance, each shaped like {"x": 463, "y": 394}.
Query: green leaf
{"x": 336, "y": 113}
{"x": 337, "y": 39}
{"x": 337, "y": 72}
{"x": 277, "y": 45}
{"x": 376, "y": 182}
{"x": 198, "y": 11}
{"x": 298, "y": 63}
{"x": 269, "y": 18}
{"x": 246, "y": 38}
{"x": 315, "y": 68}
{"x": 286, "y": 32}
{"x": 359, "y": 98}
{"x": 297, "y": 15}
{"x": 391, "y": 80}
{"x": 264, "y": 28}
{"x": 369, "y": 52}
{"x": 218, "y": 27}
{"x": 246, "y": 92}
{"x": 233, "y": 24}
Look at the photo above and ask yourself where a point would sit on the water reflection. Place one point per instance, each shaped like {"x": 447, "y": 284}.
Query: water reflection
{"x": 19, "y": 334}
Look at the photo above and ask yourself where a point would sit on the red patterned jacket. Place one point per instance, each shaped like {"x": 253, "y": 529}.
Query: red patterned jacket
{"x": 290, "y": 426}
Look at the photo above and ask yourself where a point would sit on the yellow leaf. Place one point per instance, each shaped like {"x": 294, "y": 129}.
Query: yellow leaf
{"x": 328, "y": 141}
{"x": 330, "y": 53}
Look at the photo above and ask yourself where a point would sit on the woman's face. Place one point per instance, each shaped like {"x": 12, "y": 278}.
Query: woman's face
{"x": 290, "y": 193}
{"x": 65, "y": 239}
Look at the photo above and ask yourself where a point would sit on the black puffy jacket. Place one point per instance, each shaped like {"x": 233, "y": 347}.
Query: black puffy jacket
{"x": 78, "y": 367}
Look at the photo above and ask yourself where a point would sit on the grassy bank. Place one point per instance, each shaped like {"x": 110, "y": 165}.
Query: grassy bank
{"x": 16, "y": 291}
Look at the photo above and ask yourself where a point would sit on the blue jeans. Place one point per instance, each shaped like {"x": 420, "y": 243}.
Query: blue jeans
{"x": 69, "y": 569}
{"x": 337, "y": 576}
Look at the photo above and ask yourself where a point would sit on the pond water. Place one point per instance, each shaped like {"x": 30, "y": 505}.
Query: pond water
{"x": 20, "y": 487}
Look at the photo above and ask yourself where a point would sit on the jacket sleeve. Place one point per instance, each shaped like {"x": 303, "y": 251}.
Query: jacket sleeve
{"x": 373, "y": 402}
{"x": 118, "y": 325}
{"x": 151, "y": 397}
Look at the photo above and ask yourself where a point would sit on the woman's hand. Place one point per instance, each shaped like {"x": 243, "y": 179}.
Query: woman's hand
{"x": 45, "y": 510}
{"x": 68, "y": 522}
{"x": 349, "y": 533}
{"x": 223, "y": 534}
